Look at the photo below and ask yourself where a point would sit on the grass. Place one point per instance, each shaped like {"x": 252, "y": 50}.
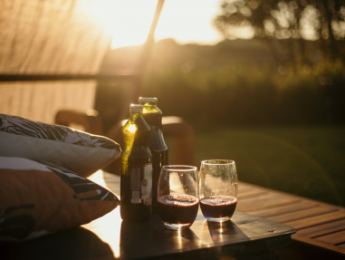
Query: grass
{"x": 306, "y": 161}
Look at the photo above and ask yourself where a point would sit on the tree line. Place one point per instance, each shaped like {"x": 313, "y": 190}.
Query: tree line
{"x": 300, "y": 20}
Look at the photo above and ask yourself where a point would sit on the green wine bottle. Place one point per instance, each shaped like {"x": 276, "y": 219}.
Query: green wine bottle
{"x": 158, "y": 147}
{"x": 136, "y": 168}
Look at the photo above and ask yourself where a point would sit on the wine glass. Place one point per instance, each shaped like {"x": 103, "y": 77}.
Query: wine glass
{"x": 178, "y": 196}
{"x": 218, "y": 189}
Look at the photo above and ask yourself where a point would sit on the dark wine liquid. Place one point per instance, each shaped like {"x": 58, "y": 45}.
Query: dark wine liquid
{"x": 218, "y": 206}
{"x": 178, "y": 208}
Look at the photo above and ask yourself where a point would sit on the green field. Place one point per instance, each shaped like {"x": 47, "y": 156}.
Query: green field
{"x": 306, "y": 161}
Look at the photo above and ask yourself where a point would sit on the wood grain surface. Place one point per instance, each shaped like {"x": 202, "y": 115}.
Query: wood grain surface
{"x": 319, "y": 225}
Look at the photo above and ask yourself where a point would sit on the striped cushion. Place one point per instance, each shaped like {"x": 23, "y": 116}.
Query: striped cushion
{"x": 77, "y": 151}
{"x": 39, "y": 198}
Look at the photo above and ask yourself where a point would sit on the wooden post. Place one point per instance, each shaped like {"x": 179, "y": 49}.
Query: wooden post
{"x": 145, "y": 55}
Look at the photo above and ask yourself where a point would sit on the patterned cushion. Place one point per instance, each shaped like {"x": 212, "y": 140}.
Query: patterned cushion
{"x": 77, "y": 151}
{"x": 39, "y": 198}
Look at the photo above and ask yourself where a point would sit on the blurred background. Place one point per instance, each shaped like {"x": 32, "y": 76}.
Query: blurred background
{"x": 262, "y": 82}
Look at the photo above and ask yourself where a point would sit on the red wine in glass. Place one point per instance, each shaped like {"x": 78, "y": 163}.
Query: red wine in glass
{"x": 178, "y": 209}
{"x": 218, "y": 189}
{"x": 218, "y": 207}
{"x": 178, "y": 196}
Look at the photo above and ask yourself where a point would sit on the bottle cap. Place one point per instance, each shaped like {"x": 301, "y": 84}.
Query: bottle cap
{"x": 135, "y": 108}
{"x": 150, "y": 100}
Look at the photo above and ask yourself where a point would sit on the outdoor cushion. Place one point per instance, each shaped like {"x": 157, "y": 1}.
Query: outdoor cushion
{"x": 39, "y": 198}
{"x": 75, "y": 150}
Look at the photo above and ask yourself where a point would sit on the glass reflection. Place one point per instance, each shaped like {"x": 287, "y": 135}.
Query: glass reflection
{"x": 219, "y": 230}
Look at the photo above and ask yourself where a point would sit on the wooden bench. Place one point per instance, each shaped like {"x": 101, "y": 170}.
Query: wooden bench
{"x": 320, "y": 226}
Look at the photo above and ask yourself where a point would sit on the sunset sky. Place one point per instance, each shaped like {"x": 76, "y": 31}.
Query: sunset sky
{"x": 183, "y": 20}
{"x": 186, "y": 21}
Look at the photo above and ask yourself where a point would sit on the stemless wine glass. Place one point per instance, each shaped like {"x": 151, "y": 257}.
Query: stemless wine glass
{"x": 178, "y": 196}
{"x": 218, "y": 189}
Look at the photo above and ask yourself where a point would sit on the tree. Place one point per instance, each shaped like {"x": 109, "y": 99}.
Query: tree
{"x": 300, "y": 20}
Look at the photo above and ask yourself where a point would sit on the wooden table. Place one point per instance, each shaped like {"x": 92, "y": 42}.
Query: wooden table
{"x": 320, "y": 226}
{"x": 110, "y": 238}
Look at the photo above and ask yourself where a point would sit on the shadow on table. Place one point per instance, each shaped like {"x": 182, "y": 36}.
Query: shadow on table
{"x": 77, "y": 243}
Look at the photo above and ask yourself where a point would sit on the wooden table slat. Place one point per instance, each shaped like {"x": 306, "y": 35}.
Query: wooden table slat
{"x": 279, "y": 210}
{"x": 323, "y": 229}
{"x": 333, "y": 239}
{"x": 263, "y": 202}
{"x": 242, "y": 189}
{"x": 302, "y": 214}
{"x": 242, "y": 186}
{"x": 315, "y": 244}
{"x": 251, "y": 194}
{"x": 342, "y": 245}
{"x": 317, "y": 220}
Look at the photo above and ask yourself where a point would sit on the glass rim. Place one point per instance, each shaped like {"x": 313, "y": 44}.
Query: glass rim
{"x": 180, "y": 168}
{"x": 219, "y": 162}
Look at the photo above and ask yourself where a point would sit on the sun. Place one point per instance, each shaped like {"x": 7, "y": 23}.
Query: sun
{"x": 129, "y": 21}
{"x": 133, "y": 22}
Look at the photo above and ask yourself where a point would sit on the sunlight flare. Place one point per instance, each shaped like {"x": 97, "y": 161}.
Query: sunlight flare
{"x": 133, "y": 22}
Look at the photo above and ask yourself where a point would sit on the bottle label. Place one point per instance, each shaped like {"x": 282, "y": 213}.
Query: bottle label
{"x": 135, "y": 174}
{"x": 141, "y": 184}
{"x": 146, "y": 184}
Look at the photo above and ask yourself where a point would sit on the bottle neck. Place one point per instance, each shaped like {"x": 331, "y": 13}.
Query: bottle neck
{"x": 142, "y": 130}
{"x": 153, "y": 119}
{"x": 152, "y": 115}
{"x": 133, "y": 117}
{"x": 151, "y": 108}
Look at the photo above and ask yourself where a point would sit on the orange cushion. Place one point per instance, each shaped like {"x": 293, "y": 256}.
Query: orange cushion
{"x": 41, "y": 198}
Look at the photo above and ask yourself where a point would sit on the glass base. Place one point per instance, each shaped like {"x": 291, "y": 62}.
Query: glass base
{"x": 176, "y": 226}
{"x": 218, "y": 219}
